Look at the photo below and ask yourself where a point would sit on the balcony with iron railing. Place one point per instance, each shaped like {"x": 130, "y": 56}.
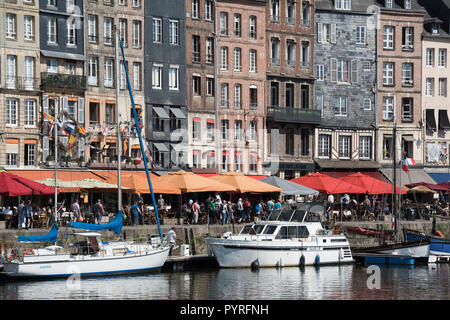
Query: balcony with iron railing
{"x": 66, "y": 81}
{"x": 20, "y": 83}
{"x": 294, "y": 115}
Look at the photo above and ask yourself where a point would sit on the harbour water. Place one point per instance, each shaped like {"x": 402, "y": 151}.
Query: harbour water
{"x": 346, "y": 282}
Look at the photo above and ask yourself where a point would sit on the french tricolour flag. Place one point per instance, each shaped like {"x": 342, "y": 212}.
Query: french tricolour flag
{"x": 406, "y": 163}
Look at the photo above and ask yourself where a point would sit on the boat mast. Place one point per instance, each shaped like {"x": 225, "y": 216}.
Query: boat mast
{"x": 56, "y": 159}
{"x": 119, "y": 144}
{"x": 394, "y": 148}
{"x": 138, "y": 129}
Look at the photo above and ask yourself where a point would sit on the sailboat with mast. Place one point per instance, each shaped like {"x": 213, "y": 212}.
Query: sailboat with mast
{"x": 419, "y": 249}
{"x": 91, "y": 256}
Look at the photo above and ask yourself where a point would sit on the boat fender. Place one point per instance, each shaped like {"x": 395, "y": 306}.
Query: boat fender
{"x": 255, "y": 265}
{"x": 440, "y": 234}
{"x": 317, "y": 260}
{"x": 302, "y": 261}
{"x": 29, "y": 252}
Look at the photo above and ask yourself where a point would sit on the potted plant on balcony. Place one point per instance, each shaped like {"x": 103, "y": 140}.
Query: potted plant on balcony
{"x": 49, "y": 160}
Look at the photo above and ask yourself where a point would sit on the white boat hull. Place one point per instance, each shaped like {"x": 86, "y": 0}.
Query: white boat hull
{"x": 419, "y": 251}
{"x": 66, "y": 265}
{"x": 241, "y": 253}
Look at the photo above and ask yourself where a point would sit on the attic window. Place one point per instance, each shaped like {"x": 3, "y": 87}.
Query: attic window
{"x": 388, "y": 3}
{"x": 407, "y": 4}
{"x": 342, "y": 4}
{"x": 435, "y": 29}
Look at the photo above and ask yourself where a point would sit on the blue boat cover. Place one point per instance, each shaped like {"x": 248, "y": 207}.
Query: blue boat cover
{"x": 115, "y": 225}
{"x": 52, "y": 236}
{"x": 440, "y": 177}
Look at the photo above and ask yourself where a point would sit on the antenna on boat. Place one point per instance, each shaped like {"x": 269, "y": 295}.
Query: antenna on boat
{"x": 138, "y": 129}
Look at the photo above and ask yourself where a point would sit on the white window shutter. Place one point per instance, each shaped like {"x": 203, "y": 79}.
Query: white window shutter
{"x": 354, "y": 71}
{"x": 45, "y": 106}
{"x": 333, "y": 33}
{"x": 333, "y": 70}
{"x": 319, "y": 32}
{"x": 81, "y": 111}
{"x": 45, "y": 148}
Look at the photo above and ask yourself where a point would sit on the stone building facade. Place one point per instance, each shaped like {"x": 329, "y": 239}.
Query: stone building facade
{"x": 345, "y": 73}
{"x": 241, "y": 72}
{"x": 63, "y": 81}
{"x": 101, "y": 20}
{"x": 291, "y": 117}
{"x": 19, "y": 85}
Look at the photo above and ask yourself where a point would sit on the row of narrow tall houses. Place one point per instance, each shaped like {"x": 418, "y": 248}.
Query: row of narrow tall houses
{"x": 263, "y": 87}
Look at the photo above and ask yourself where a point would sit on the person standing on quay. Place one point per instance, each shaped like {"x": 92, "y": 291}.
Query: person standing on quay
{"x": 240, "y": 209}
{"x": 75, "y": 208}
{"x": 28, "y": 214}
{"x": 21, "y": 213}
{"x": 195, "y": 212}
{"x": 224, "y": 212}
{"x": 98, "y": 211}
{"x": 171, "y": 238}
{"x": 136, "y": 211}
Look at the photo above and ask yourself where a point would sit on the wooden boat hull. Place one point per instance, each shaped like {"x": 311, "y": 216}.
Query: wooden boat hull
{"x": 418, "y": 249}
{"x": 438, "y": 246}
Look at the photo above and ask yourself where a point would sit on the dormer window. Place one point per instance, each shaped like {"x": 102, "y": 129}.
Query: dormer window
{"x": 342, "y": 4}
{"x": 388, "y": 3}
{"x": 407, "y": 4}
{"x": 435, "y": 29}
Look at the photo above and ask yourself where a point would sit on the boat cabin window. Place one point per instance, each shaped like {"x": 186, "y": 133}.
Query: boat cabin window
{"x": 270, "y": 229}
{"x": 292, "y": 232}
{"x": 246, "y": 229}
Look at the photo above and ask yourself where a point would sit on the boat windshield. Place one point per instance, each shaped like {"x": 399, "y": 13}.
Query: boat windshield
{"x": 246, "y": 229}
{"x": 273, "y": 216}
{"x": 298, "y": 212}
{"x": 270, "y": 229}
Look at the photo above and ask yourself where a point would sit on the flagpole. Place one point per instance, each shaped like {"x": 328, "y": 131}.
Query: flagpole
{"x": 394, "y": 147}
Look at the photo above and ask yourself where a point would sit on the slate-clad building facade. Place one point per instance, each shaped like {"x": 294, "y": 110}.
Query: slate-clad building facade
{"x": 165, "y": 83}
{"x": 345, "y": 76}
{"x": 63, "y": 80}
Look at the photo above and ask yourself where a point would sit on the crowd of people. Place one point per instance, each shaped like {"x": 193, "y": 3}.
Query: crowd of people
{"x": 212, "y": 210}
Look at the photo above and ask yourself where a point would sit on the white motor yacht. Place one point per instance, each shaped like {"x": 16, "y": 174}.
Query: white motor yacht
{"x": 291, "y": 236}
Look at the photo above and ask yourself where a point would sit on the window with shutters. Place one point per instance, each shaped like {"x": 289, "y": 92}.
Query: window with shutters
{"x": 326, "y": 33}
{"x": 342, "y": 71}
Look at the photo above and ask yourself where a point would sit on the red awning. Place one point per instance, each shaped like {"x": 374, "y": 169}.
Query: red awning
{"x": 327, "y": 184}
{"x": 12, "y": 185}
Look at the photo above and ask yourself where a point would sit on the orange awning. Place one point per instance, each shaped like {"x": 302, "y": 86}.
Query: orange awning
{"x": 244, "y": 184}
{"x": 190, "y": 182}
{"x": 136, "y": 181}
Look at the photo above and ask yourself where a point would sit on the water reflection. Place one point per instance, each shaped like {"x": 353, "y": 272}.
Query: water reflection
{"x": 327, "y": 282}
